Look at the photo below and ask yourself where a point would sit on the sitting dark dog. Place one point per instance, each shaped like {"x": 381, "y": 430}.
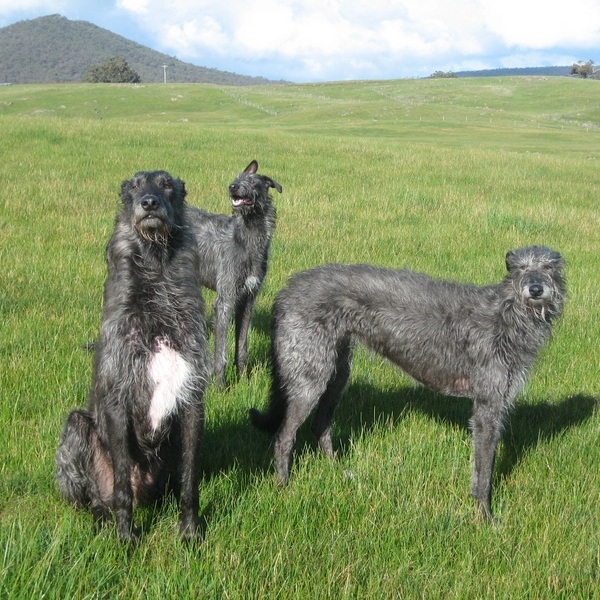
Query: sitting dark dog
{"x": 142, "y": 430}
{"x": 234, "y": 252}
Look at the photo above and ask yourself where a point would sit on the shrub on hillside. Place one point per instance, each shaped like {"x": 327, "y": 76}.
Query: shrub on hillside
{"x": 114, "y": 70}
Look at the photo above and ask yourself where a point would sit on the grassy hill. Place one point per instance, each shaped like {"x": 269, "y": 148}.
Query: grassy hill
{"x": 56, "y": 49}
{"x": 442, "y": 176}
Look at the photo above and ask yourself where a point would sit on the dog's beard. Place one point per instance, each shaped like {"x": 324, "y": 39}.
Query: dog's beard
{"x": 154, "y": 235}
{"x": 541, "y": 309}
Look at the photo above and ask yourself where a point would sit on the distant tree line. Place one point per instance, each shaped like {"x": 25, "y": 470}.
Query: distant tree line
{"x": 442, "y": 75}
{"x": 114, "y": 70}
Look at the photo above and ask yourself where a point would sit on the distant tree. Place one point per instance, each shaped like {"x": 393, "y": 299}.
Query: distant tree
{"x": 585, "y": 70}
{"x": 442, "y": 75}
{"x": 114, "y": 70}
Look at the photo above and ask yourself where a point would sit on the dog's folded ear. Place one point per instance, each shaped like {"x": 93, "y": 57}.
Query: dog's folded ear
{"x": 510, "y": 260}
{"x": 272, "y": 183}
{"x": 125, "y": 187}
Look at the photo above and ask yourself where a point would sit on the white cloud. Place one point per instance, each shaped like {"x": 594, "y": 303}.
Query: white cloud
{"x": 541, "y": 24}
{"x": 137, "y": 7}
{"x": 317, "y": 38}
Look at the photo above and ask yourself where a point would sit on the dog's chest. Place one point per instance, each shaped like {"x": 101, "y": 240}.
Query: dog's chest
{"x": 170, "y": 375}
{"x": 252, "y": 284}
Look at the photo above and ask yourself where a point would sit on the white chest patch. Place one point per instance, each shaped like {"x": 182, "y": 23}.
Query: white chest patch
{"x": 252, "y": 283}
{"x": 170, "y": 374}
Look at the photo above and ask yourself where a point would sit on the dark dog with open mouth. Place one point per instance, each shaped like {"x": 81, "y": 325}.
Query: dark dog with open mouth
{"x": 142, "y": 430}
{"x": 234, "y": 254}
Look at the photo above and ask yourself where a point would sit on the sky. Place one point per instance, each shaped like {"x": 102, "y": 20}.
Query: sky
{"x": 337, "y": 40}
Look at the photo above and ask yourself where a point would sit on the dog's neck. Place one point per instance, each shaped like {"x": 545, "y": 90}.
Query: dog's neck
{"x": 261, "y": 220}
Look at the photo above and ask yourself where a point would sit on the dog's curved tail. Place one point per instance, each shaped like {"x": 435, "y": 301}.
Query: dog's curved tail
{"x": 268, "y": 421}
{"x": 271, "y": 419}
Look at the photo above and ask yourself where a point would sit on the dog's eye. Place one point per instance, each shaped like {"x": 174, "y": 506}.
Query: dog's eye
{"x": 167, "y": 184}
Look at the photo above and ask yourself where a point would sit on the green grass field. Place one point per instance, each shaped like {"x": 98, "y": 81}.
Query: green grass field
{"x": 442, "y": 176}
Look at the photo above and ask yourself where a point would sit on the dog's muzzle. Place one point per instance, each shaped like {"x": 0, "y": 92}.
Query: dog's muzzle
{"x": 150, "y": 213}
{"x": 536, "y": 293}
{"x": 238, "y": 199}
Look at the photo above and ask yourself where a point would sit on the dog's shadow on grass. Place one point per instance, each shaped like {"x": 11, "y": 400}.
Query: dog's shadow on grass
{"x": 236, "y": 444}
{"x": 235, "y": 453}
{"x": 262, "y": 321}
{"x": 526, "y": 426}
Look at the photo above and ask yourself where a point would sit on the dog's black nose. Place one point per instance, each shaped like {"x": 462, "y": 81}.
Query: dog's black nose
{"x": 233, "y": 187}
{"x": 149, "y": 203}
{"x": 536, "y": 290}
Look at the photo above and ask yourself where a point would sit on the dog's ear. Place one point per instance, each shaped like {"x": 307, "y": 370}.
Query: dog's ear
{"x": 511, "y": 260}
{"x": 556, "y": 259}
{"x": 175, "y": 183}
{"x": 180, "y": 186}
{"x": 272, "y": 183}
{"x": 125, "y": 187}
{"x": 251, "y": 168}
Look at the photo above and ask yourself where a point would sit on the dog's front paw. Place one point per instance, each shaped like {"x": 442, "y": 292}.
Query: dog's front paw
{"x": 190, "y": 531}
{"x": 130, "y": 534}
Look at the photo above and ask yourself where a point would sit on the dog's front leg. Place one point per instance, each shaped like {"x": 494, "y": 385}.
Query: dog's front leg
{"x": 487, "y": 430}
{"x": 122, "y": 502}
{"x": 223, "y": 311}
{"x": 192, "y": 426}
{"x": 243, "y": 316}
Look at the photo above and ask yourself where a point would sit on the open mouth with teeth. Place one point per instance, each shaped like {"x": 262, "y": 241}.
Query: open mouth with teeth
{"x": 243, "y": 201}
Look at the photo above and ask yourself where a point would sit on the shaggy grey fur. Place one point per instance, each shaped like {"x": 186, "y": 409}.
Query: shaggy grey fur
{"x": 459, "y": 339}
{"x": 234, "y": 253}
{"x": 143, "y": 426}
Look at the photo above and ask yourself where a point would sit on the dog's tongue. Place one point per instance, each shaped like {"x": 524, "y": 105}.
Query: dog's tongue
{"x": 240, "y": 201}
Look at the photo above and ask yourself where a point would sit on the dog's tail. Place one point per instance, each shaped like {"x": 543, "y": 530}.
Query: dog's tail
{"x": 268, "y": 421}
{"x": 271, "y": 419}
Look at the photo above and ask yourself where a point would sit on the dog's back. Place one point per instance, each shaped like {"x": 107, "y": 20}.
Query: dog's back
{"x": 214, "y": 235}
{"x": 436, "y": 330}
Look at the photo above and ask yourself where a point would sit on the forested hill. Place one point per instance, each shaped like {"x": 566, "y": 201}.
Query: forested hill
{"x": 54, "y": 49}
{"x": 523, "y": 71}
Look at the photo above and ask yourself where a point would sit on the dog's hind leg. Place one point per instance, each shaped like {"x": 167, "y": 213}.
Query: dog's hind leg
{"x": 309, "y": 387}
{"x": 298, "y": 410}
{"x": 83, "y": 471}
{"x": 321, "y": 426}
{"x": 487, "y": 430}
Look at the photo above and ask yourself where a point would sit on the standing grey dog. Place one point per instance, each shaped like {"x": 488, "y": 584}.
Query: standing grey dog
{"x": 234, "y": 254}
{"x": 142, "y": 430}
{"x": 459, "y": 339}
